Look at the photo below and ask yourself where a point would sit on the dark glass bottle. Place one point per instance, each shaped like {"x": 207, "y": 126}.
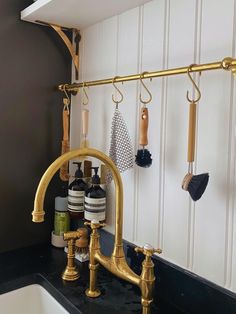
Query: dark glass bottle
{"x": 63, "y": 192}
{"x": 76, "y": 194}
{"x": 95, "y": 200}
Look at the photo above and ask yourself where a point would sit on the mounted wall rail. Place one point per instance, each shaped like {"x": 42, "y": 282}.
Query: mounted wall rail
{"x": 227, "y": 63}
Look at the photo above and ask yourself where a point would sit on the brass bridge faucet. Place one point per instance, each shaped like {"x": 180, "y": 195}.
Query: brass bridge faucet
{"x": 116, "y": 264}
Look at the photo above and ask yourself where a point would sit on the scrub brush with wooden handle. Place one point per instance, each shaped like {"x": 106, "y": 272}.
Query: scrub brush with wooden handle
{"x": 143, "y": 157}
{"x": 194, "y": 184}
{"x": 65, "y": 144}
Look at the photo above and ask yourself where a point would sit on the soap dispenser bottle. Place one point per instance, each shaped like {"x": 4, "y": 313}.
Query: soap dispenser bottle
{"x": 95, "y": 200}
{"x": 76, "y": 194}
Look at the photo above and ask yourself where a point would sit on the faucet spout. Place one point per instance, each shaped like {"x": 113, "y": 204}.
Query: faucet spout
{"x": 38, "y": 212}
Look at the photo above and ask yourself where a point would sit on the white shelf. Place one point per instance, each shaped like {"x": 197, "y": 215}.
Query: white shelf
{"x": 76, "y": 13}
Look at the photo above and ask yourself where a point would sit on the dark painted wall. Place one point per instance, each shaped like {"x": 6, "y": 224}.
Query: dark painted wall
{"x": 33, "y": 61}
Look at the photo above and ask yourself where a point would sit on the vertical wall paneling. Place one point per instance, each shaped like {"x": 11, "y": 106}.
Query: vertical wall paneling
{"x": 213, "y": 148}
{"x": 93, "y": 69}
{"x": 176, "y": 213}
{"x": 151, "y": 58}
{"x": 109, "y": 69}
{"x": 136, "y": 139}
{"x": 231, "y": 219}
{"x": 163, "y": 124}
{"x": 233, "y": 244}
{"x": 230, "y": 193}
{"x": 128, "y": 48}
{"x": 199, "y": 236}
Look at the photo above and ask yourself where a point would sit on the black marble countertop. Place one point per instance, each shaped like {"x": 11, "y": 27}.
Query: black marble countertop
{"x": 43, "y": 264}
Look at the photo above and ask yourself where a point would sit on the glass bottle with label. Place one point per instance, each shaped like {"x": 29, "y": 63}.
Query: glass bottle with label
{"x": 61, "y": 218}
{"x": 76, "y": 194}
{"x": 95, "y": 200}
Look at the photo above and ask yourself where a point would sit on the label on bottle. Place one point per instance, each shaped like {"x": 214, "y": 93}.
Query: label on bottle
{"x": 61, "y": 223}
{"x": 95, "y": 208}
{"x": 76, "y": 200}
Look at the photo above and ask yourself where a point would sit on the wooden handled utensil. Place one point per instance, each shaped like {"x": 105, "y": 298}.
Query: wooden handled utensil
{"x": 143, "y": 138}
{"x": 194, "y": 184}
{"x": 65, "y": 144}
{"x": 85, "y": 125}
{"x": 143, "y": 157}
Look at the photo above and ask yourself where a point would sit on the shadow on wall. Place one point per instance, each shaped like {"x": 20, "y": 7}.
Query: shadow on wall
{"x": 33, "y": 61}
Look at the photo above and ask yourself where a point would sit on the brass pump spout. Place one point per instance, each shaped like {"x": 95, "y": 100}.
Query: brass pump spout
{"x": 116, "y": 264}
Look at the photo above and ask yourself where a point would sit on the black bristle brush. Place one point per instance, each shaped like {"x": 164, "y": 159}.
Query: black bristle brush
{"x": 194, "y": 184}
{"x": 143, "y": 157}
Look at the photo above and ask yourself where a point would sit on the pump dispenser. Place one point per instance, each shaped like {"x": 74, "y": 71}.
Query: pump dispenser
{"x": 76, "y": 194}
{"x": 95, "y": 200}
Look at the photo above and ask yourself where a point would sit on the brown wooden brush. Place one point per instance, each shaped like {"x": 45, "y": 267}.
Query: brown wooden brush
{"x": 143, "y": 157}
{"x": 65, "y": 144}
{"x": 194, "y": 184}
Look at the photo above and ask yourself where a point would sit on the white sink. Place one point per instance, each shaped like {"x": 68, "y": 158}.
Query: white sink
{"x": 32, "y": 299}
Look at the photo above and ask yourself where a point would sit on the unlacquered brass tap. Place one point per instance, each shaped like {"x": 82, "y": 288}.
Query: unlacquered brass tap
{"x": 71, "y": 272}
{"x": 116, "y": 263}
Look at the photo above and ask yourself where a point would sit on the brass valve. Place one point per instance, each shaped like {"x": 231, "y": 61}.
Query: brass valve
{"x": 94, "y": 224}
{"x": 147, "y": 250}
{"x": 71, "y": 272}
{"x": 72, "y": 235}
{"x": 82, "y": 243}
{"x": 147, "y": 276}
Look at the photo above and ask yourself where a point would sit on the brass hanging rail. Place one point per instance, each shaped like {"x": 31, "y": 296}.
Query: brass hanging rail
{"x": 226, "y": 64}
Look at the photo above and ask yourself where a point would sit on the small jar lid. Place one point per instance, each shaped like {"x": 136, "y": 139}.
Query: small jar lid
{"x": 61, "y": 204}
{"x": 58, "y": 241}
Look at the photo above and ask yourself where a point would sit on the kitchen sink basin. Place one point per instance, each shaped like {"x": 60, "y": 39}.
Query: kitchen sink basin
{"x": 32, "y": 299}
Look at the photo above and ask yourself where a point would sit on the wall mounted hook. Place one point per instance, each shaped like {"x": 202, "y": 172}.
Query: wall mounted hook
{"x": 117, "y": 101}
{"x": 195, "y": 86}
{"x": 66, "y": 101}
{"x": 145, "y": 102}
{"x": 85, "y": 98}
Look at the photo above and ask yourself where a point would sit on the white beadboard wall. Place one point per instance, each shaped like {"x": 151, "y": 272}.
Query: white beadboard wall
{"x": 201, "y": 236}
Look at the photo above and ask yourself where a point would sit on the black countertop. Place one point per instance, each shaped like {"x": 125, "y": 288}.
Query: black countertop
{"x": 43, "y": 264}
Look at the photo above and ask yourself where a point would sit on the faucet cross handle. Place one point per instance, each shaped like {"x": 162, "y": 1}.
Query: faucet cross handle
{"x": 94, "y": 224}
{"x": 147, "y": 250}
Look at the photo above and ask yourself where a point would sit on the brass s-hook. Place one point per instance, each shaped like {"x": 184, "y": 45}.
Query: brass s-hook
{"x": 195, "y": 86}
{"x": 66, "y": 101}
{"x": 145, "y": 102}
{"x": 117, "y": 101}
{"x": 85, "y": 98}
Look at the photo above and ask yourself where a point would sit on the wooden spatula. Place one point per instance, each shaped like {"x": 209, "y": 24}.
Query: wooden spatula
{"x": 65, "y": 145}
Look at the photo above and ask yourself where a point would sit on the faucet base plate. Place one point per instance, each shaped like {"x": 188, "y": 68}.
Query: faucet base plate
{"x": 93, "y": 293}
{"x": 70, "y": 274}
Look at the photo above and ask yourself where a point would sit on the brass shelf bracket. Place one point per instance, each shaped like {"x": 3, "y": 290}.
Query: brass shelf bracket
{"x": 227, "y": 63}
{"x": 73, "y": 51}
